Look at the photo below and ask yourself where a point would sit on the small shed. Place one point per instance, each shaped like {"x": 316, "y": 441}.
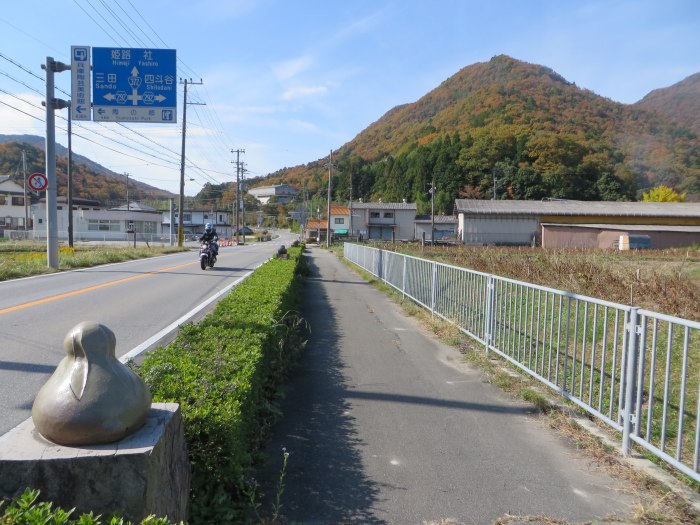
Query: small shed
{"x": 445, "y": 227}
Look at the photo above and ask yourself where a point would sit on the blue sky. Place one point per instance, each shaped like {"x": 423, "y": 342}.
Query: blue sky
{"x": 288, "y": 81}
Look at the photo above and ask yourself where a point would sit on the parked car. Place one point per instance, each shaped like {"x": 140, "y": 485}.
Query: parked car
{"x": 245, "y": 231}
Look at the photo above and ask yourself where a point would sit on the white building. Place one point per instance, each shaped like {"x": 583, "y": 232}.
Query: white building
{"x": 12, "y": 210}
{"x": 284, "y": 193}
{"x": 194, "y": 221}
{"x": 94, "y": 223}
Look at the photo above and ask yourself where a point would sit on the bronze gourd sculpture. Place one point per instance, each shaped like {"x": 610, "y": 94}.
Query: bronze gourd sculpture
{"x": 91, "y": 398}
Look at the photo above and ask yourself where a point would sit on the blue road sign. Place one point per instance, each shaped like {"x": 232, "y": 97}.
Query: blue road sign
{"x": 134, "y": 85}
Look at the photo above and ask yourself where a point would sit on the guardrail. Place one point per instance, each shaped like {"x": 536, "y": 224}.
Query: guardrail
{"x": 636, "y": 370}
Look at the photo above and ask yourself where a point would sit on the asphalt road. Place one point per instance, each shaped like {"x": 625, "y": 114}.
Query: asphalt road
{"x": 384, "y": 424}
{"x": 141, "y": 301}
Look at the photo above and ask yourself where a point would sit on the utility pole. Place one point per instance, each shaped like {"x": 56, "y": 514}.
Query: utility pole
{"x": 51, "y": 66}
{"x": 170, "y": 234}
{"x": 351, "y": 177}
{"x": 181, "y": 211}
{"x": 24, "y": 175}
{"x": 237, "y": 209}
{"x": 328, "y": 218}
{"x": 494, "y": 184}
{"x": 432, "y": 212}
{"x": 128, "y": 208}
{"x": 70, "y": 180}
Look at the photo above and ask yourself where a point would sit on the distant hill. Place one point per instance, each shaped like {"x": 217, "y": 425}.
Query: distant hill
{"x": 537, "y": 133}
{"x": 90, "y": 179}
{"x": 680, "y": 101}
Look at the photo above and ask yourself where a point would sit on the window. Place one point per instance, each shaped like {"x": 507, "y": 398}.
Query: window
{"x": 388, "y": 214}
{"x": 18, "y": 201}
{"x": 187, "y": 217}
{"x": 374, "y": 215}
{"x": 206, "y": 216}
{"x": 339, "y": 220}
{"x": 103, "y": 225}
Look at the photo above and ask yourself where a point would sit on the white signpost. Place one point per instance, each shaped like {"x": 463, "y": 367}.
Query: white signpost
{"x": 80, "y": 83}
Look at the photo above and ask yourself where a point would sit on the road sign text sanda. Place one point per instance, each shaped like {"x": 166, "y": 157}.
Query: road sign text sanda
{"x": 136, "y": 85}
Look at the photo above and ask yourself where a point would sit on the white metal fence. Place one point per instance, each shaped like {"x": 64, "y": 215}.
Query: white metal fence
{"x": 96, "y": 236}
{"x": 634, "y": 369}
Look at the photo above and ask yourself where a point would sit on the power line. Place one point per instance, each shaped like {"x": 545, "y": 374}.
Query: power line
{"x": 99, "y": 13}
{"x": 17, "y": 109}
{"x": 213, "y": 129}
{"x": 121, "y": 23}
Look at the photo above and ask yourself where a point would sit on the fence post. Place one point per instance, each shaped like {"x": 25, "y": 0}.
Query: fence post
{"x": 433, "y": 292}
{"x": 488, "y": 318}
{"x": 379, "y": 264}
{"x": 630, "y": 381}
{"x": 403, "y": 277}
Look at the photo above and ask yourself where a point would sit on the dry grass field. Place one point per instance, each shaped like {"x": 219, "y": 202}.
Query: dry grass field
{"x": 666, "y": 281}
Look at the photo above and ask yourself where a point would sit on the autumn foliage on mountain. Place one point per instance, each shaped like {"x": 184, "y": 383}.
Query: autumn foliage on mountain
{"x": 90, "y": 181}
{"x": 502, "y": 128}
{"x": 524, "y": 128}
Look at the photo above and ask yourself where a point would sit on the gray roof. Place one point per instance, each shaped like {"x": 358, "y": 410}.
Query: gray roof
{"x": 439, "y": 219}
{"x": 135, "y": 206}
{"x": 384, "y": 205}
{"x": 589, "y": 208}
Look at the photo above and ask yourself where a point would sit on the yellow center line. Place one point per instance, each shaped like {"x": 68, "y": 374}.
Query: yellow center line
{"x": 89, "y": 289}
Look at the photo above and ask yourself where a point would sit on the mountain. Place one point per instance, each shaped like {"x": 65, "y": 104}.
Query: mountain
{"x": 523, "y": 127}
{"x": 90, "y": 179}
{"x": 681, "y": 102}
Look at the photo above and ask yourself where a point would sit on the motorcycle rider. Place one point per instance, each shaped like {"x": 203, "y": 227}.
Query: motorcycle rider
{"x": 210, "y": 236}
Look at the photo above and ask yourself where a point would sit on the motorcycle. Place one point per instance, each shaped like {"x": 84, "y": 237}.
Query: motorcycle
{"x": 207, "y": 258}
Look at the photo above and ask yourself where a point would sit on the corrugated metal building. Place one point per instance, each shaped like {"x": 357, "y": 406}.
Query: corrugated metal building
{"x": 589, "y": 224}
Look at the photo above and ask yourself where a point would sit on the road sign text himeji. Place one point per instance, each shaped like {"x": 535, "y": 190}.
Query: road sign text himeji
{"x": 134, "y": 85}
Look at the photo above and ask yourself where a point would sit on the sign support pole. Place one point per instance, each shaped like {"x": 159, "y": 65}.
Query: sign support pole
{"x": 52, "y": 104}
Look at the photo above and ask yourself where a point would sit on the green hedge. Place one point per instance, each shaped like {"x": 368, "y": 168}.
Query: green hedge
{"x": 224, "y": 372}
{"x": 28, "y": 509}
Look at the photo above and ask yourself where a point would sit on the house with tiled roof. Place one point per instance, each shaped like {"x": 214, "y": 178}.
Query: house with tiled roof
{"x": 13, "y": 214}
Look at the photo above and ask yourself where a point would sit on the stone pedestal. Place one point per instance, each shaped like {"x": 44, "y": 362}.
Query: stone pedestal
{"x": 145, "y": 473}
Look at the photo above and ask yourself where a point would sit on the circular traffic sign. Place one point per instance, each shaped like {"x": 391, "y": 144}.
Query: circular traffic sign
{"x": 38, "y": 181}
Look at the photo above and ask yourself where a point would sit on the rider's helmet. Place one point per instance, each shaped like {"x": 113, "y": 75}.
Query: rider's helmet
{"x": 207, "y": 227}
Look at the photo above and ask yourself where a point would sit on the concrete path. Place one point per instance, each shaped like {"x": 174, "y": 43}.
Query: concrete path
{"x": 385, "y": 425}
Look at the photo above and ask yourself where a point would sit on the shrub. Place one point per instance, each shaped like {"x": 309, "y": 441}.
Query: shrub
{"x": 224, "y": 372}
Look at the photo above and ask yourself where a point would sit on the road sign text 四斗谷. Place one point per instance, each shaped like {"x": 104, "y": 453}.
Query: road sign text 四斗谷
{"x": 134, "y": 85}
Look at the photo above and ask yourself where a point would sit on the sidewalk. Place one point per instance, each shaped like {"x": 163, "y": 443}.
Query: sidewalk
{"x": 386, "y": 425}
